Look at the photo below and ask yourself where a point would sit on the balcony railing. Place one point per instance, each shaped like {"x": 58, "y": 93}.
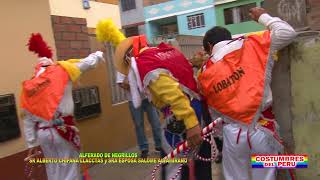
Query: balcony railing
{"x": 164, "y": 37}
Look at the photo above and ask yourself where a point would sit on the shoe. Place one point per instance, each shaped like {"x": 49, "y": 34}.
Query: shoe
{"x": 160, "y": 151}
{"x": 144, "y": 154}
{"x": 219, "y": 158}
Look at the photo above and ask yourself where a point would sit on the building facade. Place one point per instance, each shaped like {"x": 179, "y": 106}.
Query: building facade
{"x": 132, "y": 18}
{"x": 234, "y": 15}
{"x": 162, "y": 20}
{"x": 166, "y": 19}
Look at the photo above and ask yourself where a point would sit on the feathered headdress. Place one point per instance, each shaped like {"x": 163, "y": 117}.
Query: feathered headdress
{"x": 107, "y": 31}
{"x": 39, "y": 46}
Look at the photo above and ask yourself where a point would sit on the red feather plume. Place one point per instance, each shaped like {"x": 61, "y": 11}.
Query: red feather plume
{"x": 39, "y": 46}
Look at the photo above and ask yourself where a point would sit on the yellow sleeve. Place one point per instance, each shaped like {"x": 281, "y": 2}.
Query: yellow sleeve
{"x": 71, "y": 67}
{"x": 166, "y": 91}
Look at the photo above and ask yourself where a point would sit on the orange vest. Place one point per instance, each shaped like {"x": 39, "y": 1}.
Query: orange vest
{"x": 234, "y": 86}
{"x": 42, "y": 95}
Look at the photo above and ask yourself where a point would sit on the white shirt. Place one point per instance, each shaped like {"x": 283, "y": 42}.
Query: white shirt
{"x": 120, "y": 78}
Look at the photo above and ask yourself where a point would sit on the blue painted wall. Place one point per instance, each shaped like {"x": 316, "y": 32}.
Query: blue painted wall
{"x": 181, "y": 9}
{"x": 148, "y": 31}
{"x": 174, "y": 6}
{"x": 209, "y": 19}
{"x": 152, "y": 30}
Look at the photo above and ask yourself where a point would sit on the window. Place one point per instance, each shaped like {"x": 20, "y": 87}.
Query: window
{"x": 87, "y": 102}
{"x": 128, "y": 5}
{"x": 196, "y": 21}
{"x": 9, "y": 127}
{"x": 132, "y": 31}
{"x": 169, "y": 29}
{"x": 238, "y": 14}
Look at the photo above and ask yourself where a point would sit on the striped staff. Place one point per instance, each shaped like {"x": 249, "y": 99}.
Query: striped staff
{"x": 208, "y": 130}
{"x": 184, "y": 146}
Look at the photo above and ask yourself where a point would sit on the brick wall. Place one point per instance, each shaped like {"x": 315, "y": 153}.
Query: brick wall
{"x": 313, "y": 8}
{"x": 153, "y": 2}
{"x": 71, "y": 37}
{"x": 116, "y": 2}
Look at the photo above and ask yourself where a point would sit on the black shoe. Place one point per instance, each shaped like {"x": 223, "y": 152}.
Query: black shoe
{"x": 219, "y": 158}
{"x": 159, "y": 149}
{"x": 144, "y": 154}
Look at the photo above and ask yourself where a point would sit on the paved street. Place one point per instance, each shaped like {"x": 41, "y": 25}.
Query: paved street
{"x": 134, "y": 171}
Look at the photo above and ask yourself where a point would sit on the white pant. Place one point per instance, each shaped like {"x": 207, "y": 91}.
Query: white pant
{"x": 237, "y": 156}
{"x": 54, "y": 146}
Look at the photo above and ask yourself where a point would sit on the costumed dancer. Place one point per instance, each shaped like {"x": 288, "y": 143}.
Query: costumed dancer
{"x": 48, "y": 106}
{"x": 236, "y": 83}
{"x": 166, "y": 77}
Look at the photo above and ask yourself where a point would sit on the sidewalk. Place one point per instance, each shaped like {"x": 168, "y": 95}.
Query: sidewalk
{"x": 135, "y": 171}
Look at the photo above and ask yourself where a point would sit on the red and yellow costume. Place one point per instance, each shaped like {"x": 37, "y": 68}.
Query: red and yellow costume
{"x": 166, "y": 77}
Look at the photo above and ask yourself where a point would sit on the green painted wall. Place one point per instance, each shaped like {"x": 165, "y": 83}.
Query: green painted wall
{"x": 239, "y": 28}
{"x": 296, "y": 98}
{"x": 305, "y": 88}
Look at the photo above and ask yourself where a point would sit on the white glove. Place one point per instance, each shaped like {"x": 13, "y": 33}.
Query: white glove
{"x": 99, "y": 54}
